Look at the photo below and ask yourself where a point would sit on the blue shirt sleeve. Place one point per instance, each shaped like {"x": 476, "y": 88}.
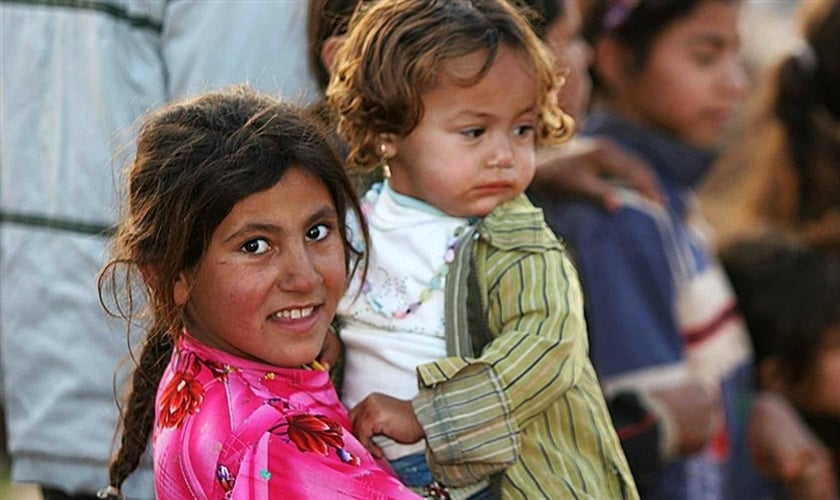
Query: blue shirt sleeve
{"x": 629, "y": 291}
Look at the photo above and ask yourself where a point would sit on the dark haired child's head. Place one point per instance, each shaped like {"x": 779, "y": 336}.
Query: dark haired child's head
{"x": 327, "y": 23}
{"x": 198, "y": 162}
{"x": 789, "y": 295}
{"x": 236, "y": 221}
{"x": 431, "y": 70}
{"x": 670, "y": 64}
{"x": 821, "y": 32}
{"x": 807, "y": 104}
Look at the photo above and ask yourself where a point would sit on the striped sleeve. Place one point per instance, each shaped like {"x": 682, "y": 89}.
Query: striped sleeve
{"x": 474, "y": 410}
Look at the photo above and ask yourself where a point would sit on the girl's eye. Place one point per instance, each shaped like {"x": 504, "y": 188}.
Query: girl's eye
{"x": 473, "y": 133}
{"x": 705, "y": 57}
{"x": 256, "y": 246}
{"x": 318, "y": 232}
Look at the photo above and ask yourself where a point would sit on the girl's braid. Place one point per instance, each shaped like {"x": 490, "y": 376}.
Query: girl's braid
{"x": 138, "y": 417}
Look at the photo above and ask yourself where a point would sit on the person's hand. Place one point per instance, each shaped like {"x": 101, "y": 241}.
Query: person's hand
{"x": 693, "y": 410}
{"x": 381, "y": 414}
{"x": 330, "y": 351}
{"x": 784, "y": 448}
{"x": 580, "y": 166}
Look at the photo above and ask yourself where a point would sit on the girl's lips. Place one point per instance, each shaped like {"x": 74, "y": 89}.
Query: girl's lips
{"x": 295, "y": 313}
{"x": 719, "y": 117}
{"x": 297, "y": 319}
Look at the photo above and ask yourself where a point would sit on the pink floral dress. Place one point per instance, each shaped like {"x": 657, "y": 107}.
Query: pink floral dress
{"x": 226, "y": 427}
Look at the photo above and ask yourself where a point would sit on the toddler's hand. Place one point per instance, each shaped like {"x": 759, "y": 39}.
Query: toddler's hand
{"x": 381, "y": 414}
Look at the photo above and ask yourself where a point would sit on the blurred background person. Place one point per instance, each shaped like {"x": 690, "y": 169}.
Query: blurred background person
{"x": 659, "y": 311}
{"x": 76, "y": 76}
{"x": 789, "y": 294}
{"x": 784, "y": 171}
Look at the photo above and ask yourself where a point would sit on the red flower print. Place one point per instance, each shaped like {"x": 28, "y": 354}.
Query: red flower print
{"x": 314, "y": 433}
{"x": 181, "y": 397}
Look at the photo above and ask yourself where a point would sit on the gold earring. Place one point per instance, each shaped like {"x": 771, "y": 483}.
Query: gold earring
{"x": 386, "y": 169}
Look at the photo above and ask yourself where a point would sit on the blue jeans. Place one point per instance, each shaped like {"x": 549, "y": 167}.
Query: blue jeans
{"x": 414, "y": 472}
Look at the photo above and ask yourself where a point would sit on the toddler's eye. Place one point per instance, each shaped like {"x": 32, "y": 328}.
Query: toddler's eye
{"x": 318, "y": 232}
{"x": 256, "y": 246}
{"x": 473, "y": 133}
{"x": 523, "y": 129}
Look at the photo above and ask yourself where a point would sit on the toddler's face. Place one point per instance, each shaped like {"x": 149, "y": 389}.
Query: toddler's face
{"x": 693, "y": 77}
{"x": 473, "y": 149}
{"x": 268, "y": 285}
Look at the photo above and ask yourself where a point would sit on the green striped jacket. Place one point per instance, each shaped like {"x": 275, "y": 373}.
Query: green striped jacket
{"x": 518, "y": 400}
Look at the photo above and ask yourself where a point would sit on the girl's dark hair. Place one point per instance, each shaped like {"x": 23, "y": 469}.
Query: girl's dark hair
{"x": 789, "y": 295}
{"x": 195, "y": 160}
{"x": 634, "y": 24}
{"x": 807, "y": 103}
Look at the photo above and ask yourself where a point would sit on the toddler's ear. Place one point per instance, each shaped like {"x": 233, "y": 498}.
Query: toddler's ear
{"x": 387, "y": 146}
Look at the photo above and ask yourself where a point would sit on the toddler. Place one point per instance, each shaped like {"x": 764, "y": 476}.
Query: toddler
{"x": 466, "y": 340}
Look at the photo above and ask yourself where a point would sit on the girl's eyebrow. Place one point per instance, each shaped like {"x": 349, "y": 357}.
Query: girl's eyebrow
{"x": 712, "y": 39}
{"x": 254, "y": 227}
{"x": 325, "y": 211}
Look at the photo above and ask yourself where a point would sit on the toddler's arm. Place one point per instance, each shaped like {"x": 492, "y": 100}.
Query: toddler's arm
{"x": 474, "y": 411}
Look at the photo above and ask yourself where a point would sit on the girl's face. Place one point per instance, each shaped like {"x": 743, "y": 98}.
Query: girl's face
{"x": 573, "y": 55}
{"x": 692, "y": 79}
{"x": 473, "y": 149}
{"x": 267, "y": 287}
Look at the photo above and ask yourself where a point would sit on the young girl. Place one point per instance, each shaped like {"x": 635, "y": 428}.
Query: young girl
{"x": 235, "y": 221}
{"x": 661, "y": 313}
{"x": 785, "y": 173}
{"x": 467, "y": 339}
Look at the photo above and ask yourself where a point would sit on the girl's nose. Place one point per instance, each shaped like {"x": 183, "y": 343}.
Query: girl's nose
{"x": 297, "y": 271}
{"x": 734, "y": 78}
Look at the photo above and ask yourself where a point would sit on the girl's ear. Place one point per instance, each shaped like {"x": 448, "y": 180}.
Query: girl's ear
{"x": 329, "y": 49}
{"x": 612, "y": 64}
{"x": 181, "y": 290}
